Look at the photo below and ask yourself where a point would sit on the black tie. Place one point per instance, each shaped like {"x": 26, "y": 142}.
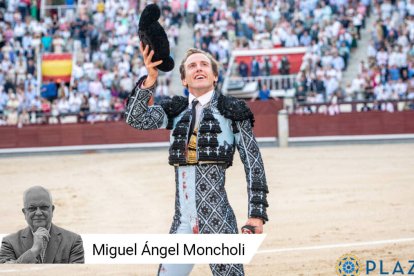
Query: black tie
{"x": 193, "y": 118}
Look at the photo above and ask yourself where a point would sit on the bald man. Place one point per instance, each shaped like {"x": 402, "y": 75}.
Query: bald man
{"x": 41, "y": 241}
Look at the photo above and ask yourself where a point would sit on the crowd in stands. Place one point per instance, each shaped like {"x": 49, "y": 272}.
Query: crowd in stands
{"x": 387, "y": 73}
{"x": 330, "y": 30}
{"x": 107, "y": 62}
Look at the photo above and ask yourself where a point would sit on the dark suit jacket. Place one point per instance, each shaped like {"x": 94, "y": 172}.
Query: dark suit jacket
{"x": 63, "y": 247}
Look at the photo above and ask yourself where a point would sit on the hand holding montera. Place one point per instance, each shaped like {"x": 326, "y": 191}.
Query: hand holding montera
{"x": 151, "y": 66}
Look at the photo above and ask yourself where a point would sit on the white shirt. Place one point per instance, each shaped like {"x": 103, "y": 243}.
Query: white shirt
{"x": 204, "y": 100}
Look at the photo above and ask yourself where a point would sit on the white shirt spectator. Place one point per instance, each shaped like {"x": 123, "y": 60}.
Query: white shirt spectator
{"x": 37, "y": 27}
{"x": 400, "y": 88}
{"x": 336, "y": 26}
{"x": 162, "y": 91}
{"x": 89, "y": 70}
{"x": 4, "y": 98}
{"x": 108, "y": 78}
{"x": 213, "y": 47}
{"x": 126, "y": 84}
{"x": 357, "y": 19}
{"x": 291, "y": 40}
{"x": 331, "y": 85}
{"x": 77, "y": 71}
{"x": 224, "y": 43}
{"x": 410, "y": 8}
{"x": 393, "y": 59}
{"x": 382, "y": 57}
{"x": 75, "y": 101}
{"x": 305, "y": 40}
{"x": 386, "y": 9}
{"x": 402, "y": 60}
{"x": 19, "y": 29}
{"x": 26, "y": 41}
{"x": 403, "y": 41}
{"x": 124, "y": 67}
{"x": 36, "y": 103}
{"x": 326, "y": 60}
{"x": 63, "y": 105}
{"x": 103, "y": 105}
{"x": 358, "y": 84}
{"x": 338, "y": 63}
{"x": 382, "y": 92}
{"x": 58, "y": 43}
{"x": 222, "y": 55}
{"x": 93, "y": 103}
{"x": 401, "y": 8}
{"x": 326, "y": 12}
{"x": 95, "y": 87}
{"x": 6, "y": 64}
{"x": 192, "y": 6}
{"x": 142, "y": 72}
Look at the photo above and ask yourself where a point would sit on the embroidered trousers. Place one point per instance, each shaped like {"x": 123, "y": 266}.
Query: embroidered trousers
{"x": 202, "y": 207}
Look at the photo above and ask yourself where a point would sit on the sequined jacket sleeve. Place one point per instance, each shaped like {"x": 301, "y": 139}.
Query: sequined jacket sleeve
{"x": 141, "y": 116}
{"x": 253, "y": 165}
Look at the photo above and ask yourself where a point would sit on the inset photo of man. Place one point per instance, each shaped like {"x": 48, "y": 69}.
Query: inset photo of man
{"x": 41, "y": 241}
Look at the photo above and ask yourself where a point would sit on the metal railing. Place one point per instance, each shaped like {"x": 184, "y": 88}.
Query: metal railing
{"x": 272, "y": 82}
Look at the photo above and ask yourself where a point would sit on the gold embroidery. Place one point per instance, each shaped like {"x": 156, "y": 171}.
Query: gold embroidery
{"x": 192, "y": 149}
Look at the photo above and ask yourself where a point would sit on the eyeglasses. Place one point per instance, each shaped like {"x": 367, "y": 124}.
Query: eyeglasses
{"x": 32, "y": 209}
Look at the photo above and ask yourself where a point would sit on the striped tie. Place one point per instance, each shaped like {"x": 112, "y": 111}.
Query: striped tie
{"x": 43, "y": 252}
{"x": 193, "y": 118}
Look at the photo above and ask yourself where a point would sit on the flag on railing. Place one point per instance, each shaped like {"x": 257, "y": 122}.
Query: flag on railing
{"x": 57, "y": 67}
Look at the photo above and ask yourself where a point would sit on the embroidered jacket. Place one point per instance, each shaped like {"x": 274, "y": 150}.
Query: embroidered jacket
{"x": 224, "y": 125}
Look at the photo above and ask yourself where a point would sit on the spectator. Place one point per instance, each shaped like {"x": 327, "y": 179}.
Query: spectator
{"x": 264, "y": 93}
{"x": 63, "y": 105}
{"x": 243, "y": 69}
{"x": 254, "y": 67}
{"x": 75, "y": 102}
{"x": 49, "y": 90}
{"x": 11, "y": 109}
{"x": 267, "y": 66}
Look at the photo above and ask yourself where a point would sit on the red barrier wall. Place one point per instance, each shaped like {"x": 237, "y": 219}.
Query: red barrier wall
{"x": 77, "y": 134}
{"x": 353, "y": 123}
{"x": 265, "y": 126}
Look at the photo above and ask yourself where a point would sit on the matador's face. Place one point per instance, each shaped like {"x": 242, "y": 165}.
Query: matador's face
{"x": 199, "y": 75}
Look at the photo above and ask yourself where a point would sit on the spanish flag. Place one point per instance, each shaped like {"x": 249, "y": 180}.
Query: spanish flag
{"x": 57, "y": 67}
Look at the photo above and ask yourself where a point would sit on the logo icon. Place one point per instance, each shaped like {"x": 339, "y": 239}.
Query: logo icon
{"x": 348, "y": 265}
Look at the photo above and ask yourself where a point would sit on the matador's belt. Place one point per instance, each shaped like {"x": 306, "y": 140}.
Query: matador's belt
{"x": 192, "y": 153}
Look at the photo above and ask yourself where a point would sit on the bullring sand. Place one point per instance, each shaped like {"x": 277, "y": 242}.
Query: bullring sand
{"x": 329, "y": 195}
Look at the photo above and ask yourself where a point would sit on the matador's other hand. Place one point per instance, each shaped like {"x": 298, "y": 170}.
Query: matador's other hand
{"x": 257, "y": 223}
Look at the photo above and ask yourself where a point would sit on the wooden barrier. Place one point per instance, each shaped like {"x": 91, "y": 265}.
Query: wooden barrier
{"x": 353, "y": 123}
{"x": 77, "y": 134}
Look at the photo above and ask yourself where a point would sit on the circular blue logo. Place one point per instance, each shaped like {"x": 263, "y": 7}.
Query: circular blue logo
{"x": 348, "y": 265}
